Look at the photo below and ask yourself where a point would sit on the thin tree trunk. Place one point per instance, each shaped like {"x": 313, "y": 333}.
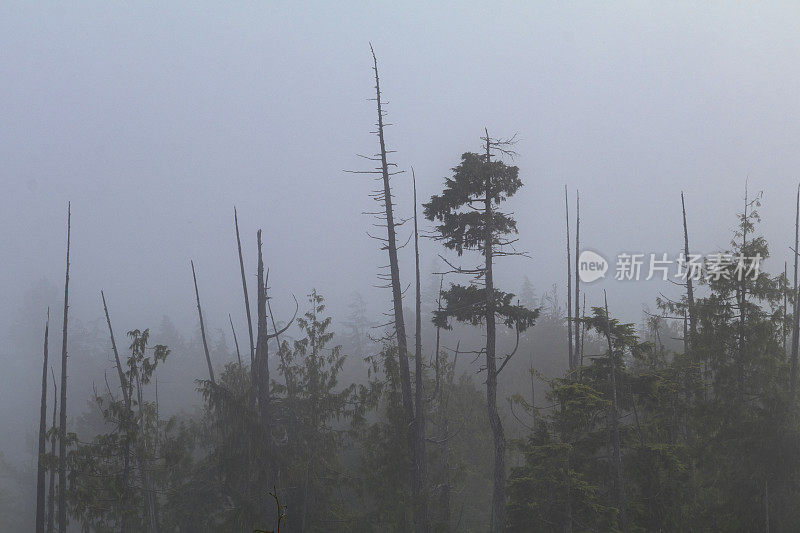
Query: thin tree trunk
{"x": 571, "y": 354}
{"x": 394, "y": 269}
{"x": 499, "y": 493}
{"x": 689, "y": 281}
{"x": 795, "y": 301}
{"x": 62, "y": 437}
{"x": 125, "y": 385}
{"x": 246, "y": 307}
{"x": 202, "y": 327}
{"x": 121, "y": 373}
{"x": 421, "y": 504}
{"x": 262, "y": 351}
{"x": 235, "y": 341}
{"x": 51, "y": 499}
{"x": 619, "y": 486}
{"x": 577, "y": 314}
{"x": 40, "y": 467}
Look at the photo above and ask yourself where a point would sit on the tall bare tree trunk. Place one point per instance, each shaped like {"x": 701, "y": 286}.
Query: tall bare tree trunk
{"x": 118, "y": 363}
{"x": 689, "y": 280}
{"x": 40, "y": 467}
{"x": 619, "y": 489}
{"x": 262, "y": 349}
{"x": 391, "y": 247}
{"x": 62, "y": 437}
{"x": 571, "y": 353}
{"x": 202, "y": 327}
{"x": 499, "y": 492}
{"x": 795, "y": 301}
{"x": 246, "y": 301}
{"x": 235, "y": 342}
{"x": 421, "y": 503}
{"x": 51, "y": 497}
{"x": 577, "y": 313}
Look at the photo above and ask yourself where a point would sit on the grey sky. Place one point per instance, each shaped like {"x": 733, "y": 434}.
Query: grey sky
{"x": 156, "y": 119}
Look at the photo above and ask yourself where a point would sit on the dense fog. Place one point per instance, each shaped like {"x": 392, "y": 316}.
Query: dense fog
{"x": 153, "y": 122}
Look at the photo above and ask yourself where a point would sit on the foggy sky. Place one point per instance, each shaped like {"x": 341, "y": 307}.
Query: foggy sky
{"x": 155, "y": 120}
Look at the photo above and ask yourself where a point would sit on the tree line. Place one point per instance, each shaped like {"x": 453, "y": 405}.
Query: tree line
{"x": 638, "y": 431}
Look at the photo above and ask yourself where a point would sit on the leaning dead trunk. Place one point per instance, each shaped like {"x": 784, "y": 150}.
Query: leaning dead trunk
{"x": 40, "y": 467}
{"x": 121, "y": 373}
{"x": 421, "y": 504}
{"x": 247, "y": 310}
{"x": 62, "y": 432}
{"x": 235, "y": 341}
{"x": 202, "y": 328}
{"x": 394, "y": 269}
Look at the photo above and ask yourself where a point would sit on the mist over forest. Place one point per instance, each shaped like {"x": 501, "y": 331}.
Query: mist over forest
{"x": 360, "y": 267}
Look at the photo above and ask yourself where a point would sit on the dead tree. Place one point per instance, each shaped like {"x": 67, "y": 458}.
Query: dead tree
{"x": 384, "y": 197}
{"x": 62, "y": 437}
{"x": 689, "y": 278}
{"x": 577, "y": 313}
{"x": 235, "y": 341}
{"x": 203, "y": 328}
{"x": 51, "y": 496}
{"x": 120, "y": 372}
{"x": 570, "y": 353}
{"x": 244, "y": 289}
{"x": 420, "y": 504}
{"x": 261, "y": 374}
{"x": 795, "y": 302}
{"x": 40, "y": 466}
